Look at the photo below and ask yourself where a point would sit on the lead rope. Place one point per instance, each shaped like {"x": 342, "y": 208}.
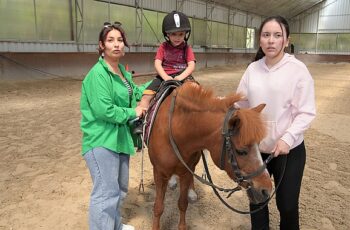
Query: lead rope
{"x": 141, "y": 185}
{"x": 239, "y": 211}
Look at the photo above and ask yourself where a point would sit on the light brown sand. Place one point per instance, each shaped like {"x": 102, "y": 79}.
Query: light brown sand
{"x": 44, "y": 183}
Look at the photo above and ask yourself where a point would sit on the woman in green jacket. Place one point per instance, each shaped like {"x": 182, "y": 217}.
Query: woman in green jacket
{"x": 108, "y": 101}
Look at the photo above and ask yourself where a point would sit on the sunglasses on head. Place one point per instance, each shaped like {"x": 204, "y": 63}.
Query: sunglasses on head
{"x": 108, "y": 24}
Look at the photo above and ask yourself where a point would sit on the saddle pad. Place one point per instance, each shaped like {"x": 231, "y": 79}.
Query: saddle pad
{"x": 151, "y": 114}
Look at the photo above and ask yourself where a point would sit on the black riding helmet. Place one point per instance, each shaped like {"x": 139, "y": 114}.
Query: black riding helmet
{"x": 175, "y": 22}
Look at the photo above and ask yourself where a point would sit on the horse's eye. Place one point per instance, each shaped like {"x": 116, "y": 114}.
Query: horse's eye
{"x": 242, "y": 151}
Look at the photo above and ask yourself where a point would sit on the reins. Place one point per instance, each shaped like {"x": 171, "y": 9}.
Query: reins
{"x": 178, "y": 154}
{"x": 238, "y": 188}
{"x": 232, "y": 152}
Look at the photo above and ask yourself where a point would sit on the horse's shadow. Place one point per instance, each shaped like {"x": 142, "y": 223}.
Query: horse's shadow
{"x": 138, "y": 208}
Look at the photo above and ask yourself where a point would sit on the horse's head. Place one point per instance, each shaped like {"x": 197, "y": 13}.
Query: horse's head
{"x": 246, "y": 129}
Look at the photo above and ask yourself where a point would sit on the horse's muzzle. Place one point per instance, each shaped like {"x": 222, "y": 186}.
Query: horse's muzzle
{"x": 257, "y": 196}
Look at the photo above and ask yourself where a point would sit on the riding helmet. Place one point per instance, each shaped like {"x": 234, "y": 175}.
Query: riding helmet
{"x": 174, "y": 22}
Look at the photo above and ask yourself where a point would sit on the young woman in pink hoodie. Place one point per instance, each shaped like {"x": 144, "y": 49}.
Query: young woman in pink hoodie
{"x": 285, "y": 85}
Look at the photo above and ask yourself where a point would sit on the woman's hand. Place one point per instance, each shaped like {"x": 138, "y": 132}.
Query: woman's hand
{"x": 140, "y": 111}
{"x": 282, "y": 148}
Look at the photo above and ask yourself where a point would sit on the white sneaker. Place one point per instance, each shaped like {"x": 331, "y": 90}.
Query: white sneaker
{"x": 128, "y": 227}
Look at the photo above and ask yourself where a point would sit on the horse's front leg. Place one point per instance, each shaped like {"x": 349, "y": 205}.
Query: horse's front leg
{"x": 161, "y": 184}
{"x": 185, "y": 181}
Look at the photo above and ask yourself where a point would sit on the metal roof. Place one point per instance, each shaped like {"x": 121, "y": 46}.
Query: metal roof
{"x": 285, "y": 8}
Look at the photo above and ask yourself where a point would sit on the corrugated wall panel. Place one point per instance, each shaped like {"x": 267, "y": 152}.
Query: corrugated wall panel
{"x": 331, "y": 16}
{"x": 157, "y": 5}
{"x": 256, "y": 21}
{"x": 41, "y": 47}
{"x": 95, "y": 12}
{"x": 294, "y": 25}
{"x": 309, "y": 23}
{"x": 334, "y": 24}
{"x": 167, "y": 6}
{"x": 195, "y": 9}
{"x": 220, "y": 14}
{"x": 335, "y": 17}
{"x": 199, "y": 9}
{"x": 125, "y": 2}
{"x": 323, "y": 29}
{"x": 160, "y": 5}
{"x": 240, "y": 19}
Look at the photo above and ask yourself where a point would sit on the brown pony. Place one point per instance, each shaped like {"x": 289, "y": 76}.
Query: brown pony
{"x": 197, "y": 123}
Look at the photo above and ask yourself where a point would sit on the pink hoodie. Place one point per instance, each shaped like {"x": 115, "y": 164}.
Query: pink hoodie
{"x": 287, "y": 89}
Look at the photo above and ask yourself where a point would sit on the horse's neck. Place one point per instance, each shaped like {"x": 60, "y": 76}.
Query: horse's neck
{"x": 200, "y": 128}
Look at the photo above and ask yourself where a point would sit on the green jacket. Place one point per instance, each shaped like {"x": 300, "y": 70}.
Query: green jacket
{"x": 106, "y": 107}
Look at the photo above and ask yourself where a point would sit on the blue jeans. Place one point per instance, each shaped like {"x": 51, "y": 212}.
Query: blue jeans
{"x": 110, "y": 177}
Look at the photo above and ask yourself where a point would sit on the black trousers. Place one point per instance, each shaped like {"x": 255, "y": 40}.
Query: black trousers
{"x": 157, "y": 81}
{"x": 287, "y": 195}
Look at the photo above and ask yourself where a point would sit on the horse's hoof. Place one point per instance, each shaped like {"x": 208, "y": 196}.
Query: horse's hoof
{"x": 192, "y": 196}
{"x": 172, "y": 184}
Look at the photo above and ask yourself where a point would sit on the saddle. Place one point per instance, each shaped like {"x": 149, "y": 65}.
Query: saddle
{"x": 164, "y": 90}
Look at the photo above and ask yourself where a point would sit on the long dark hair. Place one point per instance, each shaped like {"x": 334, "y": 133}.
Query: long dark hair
{"x": 107, "y": 27}
{"x": 280, "y": 20}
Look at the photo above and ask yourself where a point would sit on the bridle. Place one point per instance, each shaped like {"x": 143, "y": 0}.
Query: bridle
{"x": 229, "y": 149}
{"x": 243, "y": 181}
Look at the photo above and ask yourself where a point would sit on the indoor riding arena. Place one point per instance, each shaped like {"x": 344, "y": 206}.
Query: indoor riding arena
{"x": 47, "y": 48}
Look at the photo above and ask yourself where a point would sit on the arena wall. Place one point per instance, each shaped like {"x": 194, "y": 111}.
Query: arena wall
{"x": 18, "y": 66}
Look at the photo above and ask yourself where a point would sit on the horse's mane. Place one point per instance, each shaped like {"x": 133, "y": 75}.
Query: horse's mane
{"x": 251, "y": 127}
{"x": 192, "y": 96}
{"x": 196, "y": 98}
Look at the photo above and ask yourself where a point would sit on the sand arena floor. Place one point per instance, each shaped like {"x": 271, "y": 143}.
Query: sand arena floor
{"x": 44, "y": 183}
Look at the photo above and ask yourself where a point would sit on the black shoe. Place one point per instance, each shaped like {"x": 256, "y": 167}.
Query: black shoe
{"x": 138, "y": 127}
{"x": 133, "y": 121}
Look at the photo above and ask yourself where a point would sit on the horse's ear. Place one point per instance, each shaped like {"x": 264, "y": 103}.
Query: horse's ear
{"x": 259, "y": 108}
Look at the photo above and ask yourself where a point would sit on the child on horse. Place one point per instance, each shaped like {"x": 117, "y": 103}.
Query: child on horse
{"x": 174, "y": 60}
